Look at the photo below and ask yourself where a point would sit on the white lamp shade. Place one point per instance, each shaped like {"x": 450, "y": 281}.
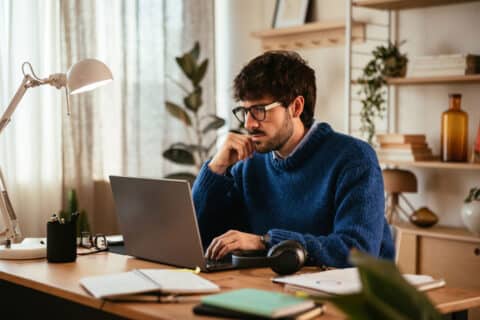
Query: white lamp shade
{"x": 87, "y": 75}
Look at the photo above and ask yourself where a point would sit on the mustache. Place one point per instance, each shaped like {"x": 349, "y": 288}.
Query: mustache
{"x": 256, "y": 131}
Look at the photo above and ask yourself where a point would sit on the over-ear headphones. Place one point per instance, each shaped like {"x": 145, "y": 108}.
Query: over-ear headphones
{"x": 286, "y": 257}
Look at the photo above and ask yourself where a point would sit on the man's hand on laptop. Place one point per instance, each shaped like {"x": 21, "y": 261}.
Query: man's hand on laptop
{"x": 233, "y": 240}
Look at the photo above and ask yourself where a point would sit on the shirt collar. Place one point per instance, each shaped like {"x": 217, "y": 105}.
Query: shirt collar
{"x": 276, "y": 155}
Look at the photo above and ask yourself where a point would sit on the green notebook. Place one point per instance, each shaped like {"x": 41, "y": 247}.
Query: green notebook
{"x": 259, "y": 302}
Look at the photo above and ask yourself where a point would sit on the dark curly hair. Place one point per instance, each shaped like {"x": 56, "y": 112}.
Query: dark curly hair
{"x": 283, "y": 75}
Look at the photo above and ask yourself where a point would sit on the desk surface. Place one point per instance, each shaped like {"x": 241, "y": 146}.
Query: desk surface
{"x": 62, "y": 280}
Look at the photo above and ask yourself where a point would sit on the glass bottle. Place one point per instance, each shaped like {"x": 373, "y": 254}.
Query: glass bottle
{"x": 454, "y": 135}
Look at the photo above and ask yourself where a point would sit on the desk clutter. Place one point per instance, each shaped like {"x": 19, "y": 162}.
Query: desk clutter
{"x": 300, "y": 299}
{"x": 62, "y": 239}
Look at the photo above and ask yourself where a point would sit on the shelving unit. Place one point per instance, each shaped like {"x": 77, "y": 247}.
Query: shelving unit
{"x": 404, "y": 4}
{"x": 418, "y": 249}
{"x": 310, "y": 35}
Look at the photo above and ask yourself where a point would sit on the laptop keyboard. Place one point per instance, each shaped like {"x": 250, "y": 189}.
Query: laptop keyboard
{"x": 224, "y": 263}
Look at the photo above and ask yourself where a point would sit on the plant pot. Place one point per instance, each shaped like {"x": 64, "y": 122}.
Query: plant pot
{"x": 471, "y": 216}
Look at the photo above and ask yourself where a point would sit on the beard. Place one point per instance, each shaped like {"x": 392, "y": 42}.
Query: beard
{"x": 278, "y": 140}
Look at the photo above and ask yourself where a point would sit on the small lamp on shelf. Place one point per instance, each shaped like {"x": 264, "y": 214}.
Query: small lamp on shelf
{"x": 83, "y": 76}
{"x": 397, "y": 182}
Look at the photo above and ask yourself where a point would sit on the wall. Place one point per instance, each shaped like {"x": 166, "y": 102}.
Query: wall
{"x": 445, "y": 29}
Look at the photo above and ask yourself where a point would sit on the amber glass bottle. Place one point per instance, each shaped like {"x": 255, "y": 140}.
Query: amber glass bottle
{"x": 454, "y": 135}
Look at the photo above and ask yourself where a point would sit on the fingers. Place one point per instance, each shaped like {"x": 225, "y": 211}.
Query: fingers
{"x": 242, "y": 144}
{"x": 223, "y": 244}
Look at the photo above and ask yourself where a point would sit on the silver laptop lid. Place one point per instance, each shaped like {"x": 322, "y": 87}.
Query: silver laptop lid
{"x": 158, "y": 221}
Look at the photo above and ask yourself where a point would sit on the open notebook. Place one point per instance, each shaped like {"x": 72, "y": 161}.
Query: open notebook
{"x": 345, "y": 281}
{"x": 126, "y": 285}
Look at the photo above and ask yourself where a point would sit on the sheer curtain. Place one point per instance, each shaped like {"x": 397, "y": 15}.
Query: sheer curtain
{"x": 124, "y": 127}
{"x": 30, "y": 153}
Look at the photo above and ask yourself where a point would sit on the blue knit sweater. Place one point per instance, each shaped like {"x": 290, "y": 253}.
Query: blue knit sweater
{"x": 328, "y": 195}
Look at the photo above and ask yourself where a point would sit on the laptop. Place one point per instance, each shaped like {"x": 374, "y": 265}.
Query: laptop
{"x": 158, "y": 222}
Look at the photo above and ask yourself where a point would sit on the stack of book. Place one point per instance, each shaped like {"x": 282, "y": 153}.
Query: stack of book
{"x": 444, "y": 65}
{"x": 403, "y": 147}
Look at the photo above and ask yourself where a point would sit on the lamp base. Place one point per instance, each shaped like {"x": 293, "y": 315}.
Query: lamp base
{"x": 29, "y": 248}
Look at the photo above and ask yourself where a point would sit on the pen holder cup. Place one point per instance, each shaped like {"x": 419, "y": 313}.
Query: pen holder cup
{"x": 61, "y": 242}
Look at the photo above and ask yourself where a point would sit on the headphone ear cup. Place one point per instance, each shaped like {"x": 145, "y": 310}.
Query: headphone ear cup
{"x": 287, "y": 257}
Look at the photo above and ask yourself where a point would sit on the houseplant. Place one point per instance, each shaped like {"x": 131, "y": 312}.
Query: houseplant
{"x": 82, "y": 220}
{"x": 387, "y": 61}
{"x": 185, "y": 153}
{"x": 385, "y": 294}
{"x": 471, "y": 211}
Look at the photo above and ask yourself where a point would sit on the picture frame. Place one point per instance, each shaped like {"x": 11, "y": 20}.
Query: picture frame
{"x": 289, "y": 13}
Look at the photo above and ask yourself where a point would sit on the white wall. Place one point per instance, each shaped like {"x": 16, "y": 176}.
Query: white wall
{"x": 446, "y": 29}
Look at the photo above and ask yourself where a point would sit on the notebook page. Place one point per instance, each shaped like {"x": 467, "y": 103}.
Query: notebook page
{"x": 176, "y": 281}
{"x": 117, "y": 284}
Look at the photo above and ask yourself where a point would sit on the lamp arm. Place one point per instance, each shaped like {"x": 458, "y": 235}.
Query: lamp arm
{"x": 12, "y": 230}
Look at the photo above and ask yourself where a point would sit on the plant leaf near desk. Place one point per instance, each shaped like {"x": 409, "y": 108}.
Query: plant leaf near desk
{"x": 385, "y": 294}
{"x": 387, "y": 61}
{"x": 192, "y": 154}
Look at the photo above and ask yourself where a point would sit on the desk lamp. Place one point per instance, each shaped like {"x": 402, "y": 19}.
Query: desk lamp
{"x": 83, "y": 76}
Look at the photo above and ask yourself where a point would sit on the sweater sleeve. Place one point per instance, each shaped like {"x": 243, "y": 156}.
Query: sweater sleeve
{"x": 217, "y": 204}
{"x": 358, "y": 219}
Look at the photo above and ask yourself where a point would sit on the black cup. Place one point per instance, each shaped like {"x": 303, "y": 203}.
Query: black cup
{"x": 61, "y": 242}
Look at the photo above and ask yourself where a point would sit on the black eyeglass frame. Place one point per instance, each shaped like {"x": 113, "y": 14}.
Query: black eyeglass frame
{"x": 241, "y": 112}
{"x": 94, "y": 241}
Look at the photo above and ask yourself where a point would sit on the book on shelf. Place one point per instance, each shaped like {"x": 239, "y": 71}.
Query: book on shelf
{"x": 401, "y": 138}
{"x": 408, "y": 146}
{"x": 250, "y": 303}
{"x": 404, "y": 152}
{"x": 417, "y": 73}
{"x": 406, "y": 157}
{"x": 345, "y": 281}
{"x": 139, "y": 283}
{"x": 467, "y": 60}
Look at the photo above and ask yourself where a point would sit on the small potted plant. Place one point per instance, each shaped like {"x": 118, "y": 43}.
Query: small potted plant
{"x": 471, "y": 211}
{"x": 387, "y": 62}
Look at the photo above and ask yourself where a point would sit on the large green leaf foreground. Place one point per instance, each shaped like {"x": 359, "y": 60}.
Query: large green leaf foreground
{"x": 385, "y": 293}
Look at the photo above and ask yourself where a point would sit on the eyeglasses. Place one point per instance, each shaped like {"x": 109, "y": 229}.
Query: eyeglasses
{"x": 258, "y": 112}
{"x": 94, "y": 244}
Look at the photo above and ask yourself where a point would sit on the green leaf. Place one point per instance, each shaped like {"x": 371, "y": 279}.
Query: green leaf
{"x": 194, "y": 100}
{"x": 190, "y": 177}
{"x": 177, "y": 111}
{"x": 195, "y": 52}
{"x": 200, "y": 73}
{"x": 215, "y": 124}
{"x": 178, "y": 153}
{"x": 72, "y": 201}
{"x": 382, "y": 280}
{"x": 187, "y": 64}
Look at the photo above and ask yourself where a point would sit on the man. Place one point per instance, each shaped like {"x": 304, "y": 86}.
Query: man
{"x": 290, "y": 178}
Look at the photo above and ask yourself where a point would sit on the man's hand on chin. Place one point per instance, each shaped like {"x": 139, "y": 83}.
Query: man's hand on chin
{"x": 233, "y": 240}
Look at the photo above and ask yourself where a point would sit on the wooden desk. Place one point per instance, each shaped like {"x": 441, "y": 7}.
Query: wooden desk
{"x": 62, "y": 281}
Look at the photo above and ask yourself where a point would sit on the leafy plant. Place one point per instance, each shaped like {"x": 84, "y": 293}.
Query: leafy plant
{"x": 187, "y": 153}
{"x": 387, "y": 61}
{"x": 82, "y": 220}
{"x": 385, "y": 294}
{"x": 474, "y": 195}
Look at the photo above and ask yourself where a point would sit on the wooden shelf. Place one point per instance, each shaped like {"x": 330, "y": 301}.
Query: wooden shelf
{"x": 310, "y": 35}
{"x": 474, "y": 78}
{"x": 434, "y": 164}
{"x": 404, "y": 4}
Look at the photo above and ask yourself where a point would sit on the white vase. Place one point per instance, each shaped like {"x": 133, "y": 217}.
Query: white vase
{"x": 471, "y": 216}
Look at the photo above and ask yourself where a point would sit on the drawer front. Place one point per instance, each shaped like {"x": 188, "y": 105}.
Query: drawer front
{"x": 457, "y": 262}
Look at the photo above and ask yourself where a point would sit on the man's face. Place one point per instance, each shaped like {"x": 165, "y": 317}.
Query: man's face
{"x": 274, "y": 131}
